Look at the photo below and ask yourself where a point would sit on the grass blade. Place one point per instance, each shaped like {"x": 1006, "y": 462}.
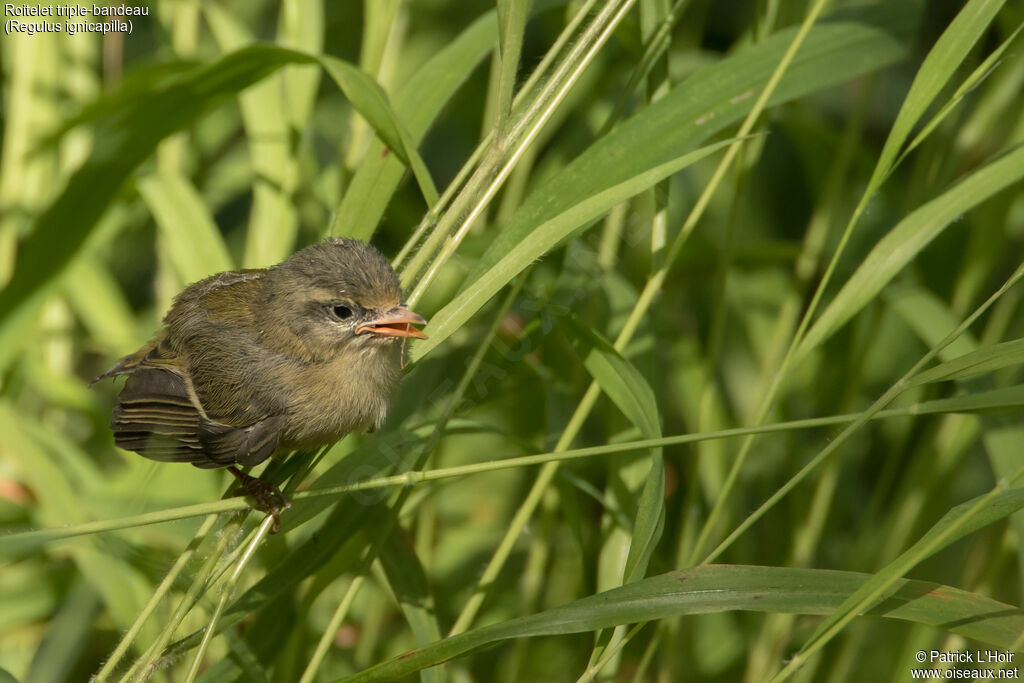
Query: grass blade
{"x": 653, "y": 144}
{"x": 194, "y": 243}
{"x": 408, "y": 580}
{"x": 977, "y": 362}
{"x": 705, "y": 104}
{"x": 372, "y": 102}
{"x": 273, "y": 223}
{"x": 630, "y": 392}
{"x": 512, "y": 16}
{"x": 124, "y": 138}
{"x": 959, "y": 522}
{"x": 722, "y": 588}
{"x": 617, "y": 377}
{"x": 905, "y": 241}
{"x": 943, "y": 60}
{"x": 417, "y": 104}
{"x": 545, "y": 237}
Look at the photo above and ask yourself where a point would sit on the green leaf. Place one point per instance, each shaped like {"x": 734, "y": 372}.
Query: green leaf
{"x": 273, "y": 221}
{"x": 101, "y": 306}
{"x": 301, "y": 27}
{"x": 67, "y": 634}
{"x": 417, "y": 103}
{"x": 930, "y": 318}
{"x": 541, "y": 240}
{"x": 705, "y": 104}
{"x": 980, "y": 73}
{"x": 47, "y": 462}
{"x": 408, "y": 581}
{"x": 193, "y": 242}
{"x": 660, "y": 141}
{"x": 303, "y": 561}
{"x": 125, "y": 136}
{"x": 722, "y": 588}
{"x": 1002, "y": 433}
{"x": 372, "y": 103}
{"x": 266, "y": 120}
{"x": 885, "y": 585}
{"x": 27, "y": 600}
{"x": 997, "y": 400}
{"x": 617, "y": 377}
{"x": 512, "y": 15}
{"x": 985, "y": 359}
{"x": 905, "y": 241}
{"x": 350, "y": 516}
{"x": 631, "y": 393}
{"x": 945, "y": 57}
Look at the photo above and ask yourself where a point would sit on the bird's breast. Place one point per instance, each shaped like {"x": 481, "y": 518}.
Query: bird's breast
{"x": 331, "y": 399}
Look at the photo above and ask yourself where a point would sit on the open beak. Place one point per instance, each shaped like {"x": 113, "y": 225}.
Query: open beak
{"x": 398, "y": 322}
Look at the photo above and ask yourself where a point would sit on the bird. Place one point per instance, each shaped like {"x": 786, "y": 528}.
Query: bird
{"x": 256, "y": 362}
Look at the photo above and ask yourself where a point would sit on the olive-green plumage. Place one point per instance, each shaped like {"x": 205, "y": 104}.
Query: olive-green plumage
{"x": 253, "y": 362}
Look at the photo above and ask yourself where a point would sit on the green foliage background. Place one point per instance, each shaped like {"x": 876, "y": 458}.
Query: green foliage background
{"x": 723, "y": 379}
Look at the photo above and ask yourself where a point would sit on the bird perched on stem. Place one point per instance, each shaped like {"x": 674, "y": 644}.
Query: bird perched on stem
{"x": 250, "y": 363}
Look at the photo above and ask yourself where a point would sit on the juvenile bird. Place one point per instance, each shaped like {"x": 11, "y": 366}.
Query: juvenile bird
{"x": 250, "y": 363}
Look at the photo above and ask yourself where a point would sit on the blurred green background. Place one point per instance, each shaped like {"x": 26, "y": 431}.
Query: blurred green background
{"x": 135, "y": 164}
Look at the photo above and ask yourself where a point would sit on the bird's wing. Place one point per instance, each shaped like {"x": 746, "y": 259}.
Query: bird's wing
{"x": 155, "y": 417}
{"x": 158, "y": 416}
{"x": 159, "y": 349}
{"x": 161, "y": 416}
{"x": 245, "y": 446}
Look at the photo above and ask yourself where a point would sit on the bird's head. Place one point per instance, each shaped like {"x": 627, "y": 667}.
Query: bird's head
{"x": 337, "y": 296}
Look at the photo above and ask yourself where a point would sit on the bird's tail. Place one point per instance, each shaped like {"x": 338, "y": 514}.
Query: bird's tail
{"x": 128, "y": 364}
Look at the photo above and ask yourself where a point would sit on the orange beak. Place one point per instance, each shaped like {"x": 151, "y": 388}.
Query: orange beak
{"x": 398, "y": 322}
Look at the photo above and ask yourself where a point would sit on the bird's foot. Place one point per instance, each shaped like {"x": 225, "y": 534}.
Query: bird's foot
{"x": 268, "y": 496}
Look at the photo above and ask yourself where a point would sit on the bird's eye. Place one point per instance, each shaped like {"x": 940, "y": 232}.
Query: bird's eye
{"x": 341, "y": 312}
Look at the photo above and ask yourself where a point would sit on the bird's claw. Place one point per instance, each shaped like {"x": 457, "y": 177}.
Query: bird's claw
{"x": 267, "y": 496}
